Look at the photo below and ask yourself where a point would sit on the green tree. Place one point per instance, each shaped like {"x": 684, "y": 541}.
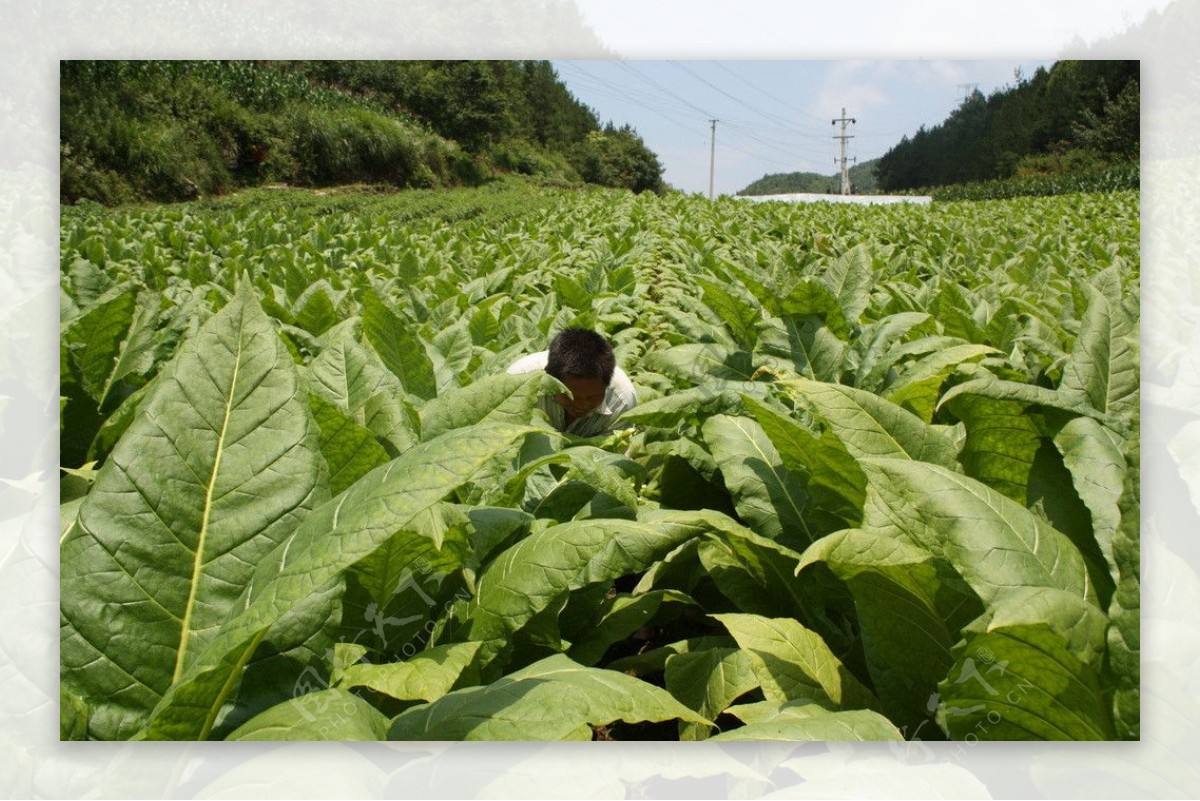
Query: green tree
{"x": 1116, "y": 130}
{"x": 618, "y": 158}
{"x": 1075, "y": 105}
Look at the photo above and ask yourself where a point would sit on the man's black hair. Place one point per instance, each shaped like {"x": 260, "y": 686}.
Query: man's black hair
{"x": 579, "y": 353}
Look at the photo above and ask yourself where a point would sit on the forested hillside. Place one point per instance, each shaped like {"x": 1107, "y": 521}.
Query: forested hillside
{"x": 862, "y": 179}
{"x": 173, "y": 130}
{"x": 1076, "y": 117}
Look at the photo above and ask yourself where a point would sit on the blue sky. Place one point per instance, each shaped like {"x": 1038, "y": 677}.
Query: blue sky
{"x": 777, "y": 71}
{"x": 775, "y": 116}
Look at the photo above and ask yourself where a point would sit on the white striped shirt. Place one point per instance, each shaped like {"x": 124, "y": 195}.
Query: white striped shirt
{"x": 619, "y": 398}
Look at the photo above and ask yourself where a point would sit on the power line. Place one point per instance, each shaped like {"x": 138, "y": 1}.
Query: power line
{"x": 788, "y": 148}
{"x": 765, "y": 93}
{"x": 690, "y": 126}
{"x": 687, "y": 123}
{"x": 738, "y": 100}
{"x": 760, "y": 157}
{"x": 795, "y": 145}
{"x": 619, "y": 91}
{"x": 683, "y": 101}
{"x": 796, "y": 151}
{"x": 629, "y": 68}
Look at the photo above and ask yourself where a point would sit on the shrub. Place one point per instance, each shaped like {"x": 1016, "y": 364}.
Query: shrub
{"x": 526, "y": 158}
{"x": 360, "y": 145}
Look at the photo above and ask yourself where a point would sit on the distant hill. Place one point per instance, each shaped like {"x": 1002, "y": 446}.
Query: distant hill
{"x": 862, "y": 180}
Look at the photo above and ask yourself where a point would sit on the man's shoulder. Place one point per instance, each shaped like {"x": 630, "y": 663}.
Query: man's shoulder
{"x": 527, "y": 364}
{"x": 622, "y": 390}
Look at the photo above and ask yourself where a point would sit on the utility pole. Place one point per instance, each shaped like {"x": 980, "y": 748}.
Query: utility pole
{"x": 712, "y": 158}
{"x": 968, "y": 89}
{"x": 845, "y": 172}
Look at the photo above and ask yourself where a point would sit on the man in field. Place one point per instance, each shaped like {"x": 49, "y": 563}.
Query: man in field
{"x": 600, "y": 391}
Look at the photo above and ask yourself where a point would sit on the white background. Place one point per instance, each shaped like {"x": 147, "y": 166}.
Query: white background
{"x": 37, "y": 34}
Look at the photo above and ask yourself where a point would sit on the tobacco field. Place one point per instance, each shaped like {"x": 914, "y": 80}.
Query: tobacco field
{"x": 881, "y": 484}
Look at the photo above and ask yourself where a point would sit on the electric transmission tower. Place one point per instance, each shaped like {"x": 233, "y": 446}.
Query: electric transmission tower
{"x": 712, "y": 158}
{"x": 844, "y": 136}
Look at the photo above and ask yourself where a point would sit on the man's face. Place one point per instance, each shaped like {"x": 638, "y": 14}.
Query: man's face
{"x": 588, "y": 394}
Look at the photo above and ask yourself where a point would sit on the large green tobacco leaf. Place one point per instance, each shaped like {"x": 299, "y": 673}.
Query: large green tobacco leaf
{"x": 398, "y": 346}
{"x": 350, "y": 450}
{"x": 332, "y": 714}
{"x": 395, "y": 590}
{"x": 537, "y": 573}
{"x": 803, "y": 721}
{"x": 1002, "y": 443}
{"x": 483, "y": 325}
{"x": 851, "y": 277}
{"x": 906, "y": 640}
{"x": 393, "y": 420}
{"x": 111, "y": 341}
{"x": 572, "y": 292}
{"x": 595, "y": 483}
{"x": 1006, "y": 450}
{"x": 989, "y": 386}
{"x": 291, "y": 660}
{"x": 353, "y": 377}
{"x": 751, "y": 279}
{"x": 87, "y": 282}
{"x": 618, "y": 618}
{"x": 953, "y": 311}
{"x": 871, "y": 426}
{"x": 332, "y": 538}
{"x": 836, "y": 484}
{"x": 810, "y": 297}
{"x": 803, "y": 344}
{"x": 655, "y": 660}
{"x": 316, "y": 308}
{"x": 768, "y": 497}
{"x": 880, "y": 349}
{"x": 1102, "y": 371}
{"x": 700, "y": 363}
{"x": 72, "y": 715}
{"x": 670, "y": 410}
{"x": 114, "y": 426}
{"x": 217, "y": 471}
{"x": 995, "y": 543}
{"x": 1030, "y": 670}
{"x": 708, "y": 681}
{"x": 1092, "y": 452}
{"x": 451, "y": 354}
{"x": 1124, "y": 637}
{"x": 427, "y": 676}
{"x": 554, "y": 699}
{"x": 697, "y": 323}
{"x": 738, "y": 313}
{"x": 756, "y": 573}
{"x": 499, "y": 398}
{"x": 350, "y": 374}
{"x": 96, "y": 338}
{"x": 919, "y": 384}
{"x": 794, "y": 663}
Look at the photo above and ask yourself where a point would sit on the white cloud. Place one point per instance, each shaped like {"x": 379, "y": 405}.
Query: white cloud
{"x": 853, "y": 85}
